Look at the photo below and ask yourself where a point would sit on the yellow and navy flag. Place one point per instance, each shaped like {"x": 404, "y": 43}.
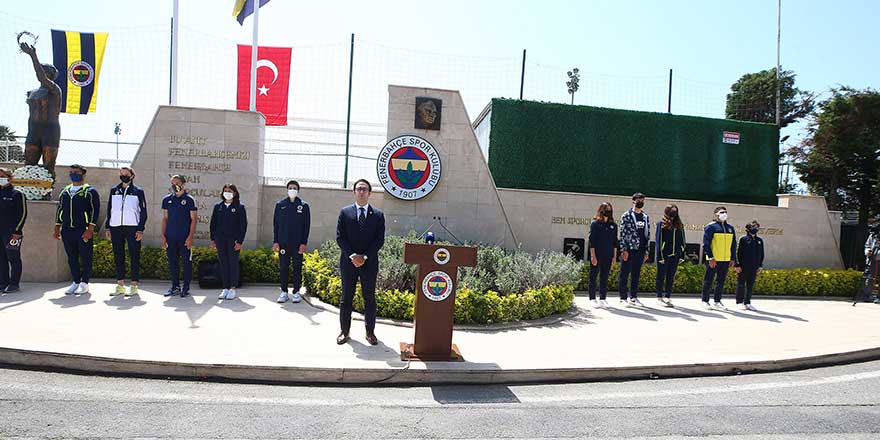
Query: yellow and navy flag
{"x": 78, "y": 57}
{"x": 244, "y": 8}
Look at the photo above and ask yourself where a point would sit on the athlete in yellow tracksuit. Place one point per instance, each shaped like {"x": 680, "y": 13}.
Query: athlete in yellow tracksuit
{"x": 719, "y": 249}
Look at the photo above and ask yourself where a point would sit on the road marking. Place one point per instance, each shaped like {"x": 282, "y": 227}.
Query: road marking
{"x": 77, "y": 392}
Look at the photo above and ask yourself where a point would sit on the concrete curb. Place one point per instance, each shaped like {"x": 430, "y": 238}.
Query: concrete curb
{"x": 63, "y": 362}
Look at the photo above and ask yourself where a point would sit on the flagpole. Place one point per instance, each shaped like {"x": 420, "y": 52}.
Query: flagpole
{"x": 175, "y": 35}
{"x": 254, "y": 47}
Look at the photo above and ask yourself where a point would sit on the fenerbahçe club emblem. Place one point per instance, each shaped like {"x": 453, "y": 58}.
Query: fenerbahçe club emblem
{"x": 408, "y": 167}
{"x": 437, "y": 285}
{"x": 81, "y": 73}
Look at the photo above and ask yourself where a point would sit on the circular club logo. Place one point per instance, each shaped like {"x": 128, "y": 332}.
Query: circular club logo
{"x": 81, "y": 73}
{"x": 437, "y": 286}
{"x": 441, "y": 256}
{"x": 408, "y": 167}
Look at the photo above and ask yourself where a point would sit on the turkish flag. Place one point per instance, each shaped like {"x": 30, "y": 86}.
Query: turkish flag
{"x": 273, "y": 80}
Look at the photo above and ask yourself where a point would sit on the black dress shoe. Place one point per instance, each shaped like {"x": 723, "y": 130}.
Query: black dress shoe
{"x": 342, "y": 338}
{"x": 371, "y": 338}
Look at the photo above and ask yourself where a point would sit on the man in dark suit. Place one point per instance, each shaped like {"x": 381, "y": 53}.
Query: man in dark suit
{"x": 360, "y": 233}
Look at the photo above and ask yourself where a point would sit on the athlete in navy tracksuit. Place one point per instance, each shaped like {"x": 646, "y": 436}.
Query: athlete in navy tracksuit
{"x": 603, "y": 251}
{"x": 228, "y": 228}
{"x": 749, "y": 261}
{"x": 13, "y": 213}
{"x": 292, "y": 221}
{"x": 178, "y": 227}
{"x": 75, "y": 220}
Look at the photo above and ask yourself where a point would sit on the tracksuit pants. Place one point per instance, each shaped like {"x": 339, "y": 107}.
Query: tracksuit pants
{"x": 120, "y": 236}
{"x": 745, "y": 284}
{"x": 631, "y": 269}
{"x": 177, "y": 251}
{"x": 666, "y": 276}
{"x": 229, "y": 262}
{"x": 10, "y": 263}
{"x": 79, "y": 254}
{"x": 719, "y": 275}
{"x": 290, "y": 255}
{"x": 601, "y": 271}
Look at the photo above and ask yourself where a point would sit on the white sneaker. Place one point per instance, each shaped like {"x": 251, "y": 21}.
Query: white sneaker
{"x": 594, "y": 303}
{"x": 720, "y": 306}
{"x": 661, "y": 302}
{"x": 222, "y": 294}
{"x": 230, "y": 294}
{"x": 72, "y": 289}
{"x": 751, "y": 308}
{"x": 282, "y": 298}
{"x": 636, "y": 302}
{"x": 603, "y": 303}
{"x": 707, "y": 306}
{"x": 296, "y": 297}
{"x": 743, "y": 306}
{"x": 624, "y": 303}
{"x": 82, "y": 289}
{"x": 630, "y": 303}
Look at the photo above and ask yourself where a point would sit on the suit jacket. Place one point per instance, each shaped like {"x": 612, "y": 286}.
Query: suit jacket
{"x": 352, "y": 240}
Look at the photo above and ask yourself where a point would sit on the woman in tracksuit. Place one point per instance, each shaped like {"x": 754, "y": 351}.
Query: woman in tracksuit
{"x": 228, "y": 228}
{"x": 669, "y": 252}
{"x": 749, "y": 263}
{"x": 603, "y": 251}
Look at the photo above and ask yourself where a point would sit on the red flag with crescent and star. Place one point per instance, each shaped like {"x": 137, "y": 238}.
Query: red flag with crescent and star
{"x": 273, "y": 81}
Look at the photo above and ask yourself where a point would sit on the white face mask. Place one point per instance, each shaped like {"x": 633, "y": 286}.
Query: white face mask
{"x": 4, "y": 181}
{"x": 722, "y": 216}
{"x": 228, "y": 195}
{"x": 292, "y": 193}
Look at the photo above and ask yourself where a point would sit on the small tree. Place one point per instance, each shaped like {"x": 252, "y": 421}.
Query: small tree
{"x": 753, "y": 98}
{"x": 573, "y": 79}
{"x": 10, "y": 151}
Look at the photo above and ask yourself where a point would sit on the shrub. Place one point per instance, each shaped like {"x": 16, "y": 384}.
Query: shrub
{"x": 795, "y": 282}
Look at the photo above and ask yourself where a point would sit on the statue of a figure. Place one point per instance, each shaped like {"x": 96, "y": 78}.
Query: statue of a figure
{"x": 44, "y": 132}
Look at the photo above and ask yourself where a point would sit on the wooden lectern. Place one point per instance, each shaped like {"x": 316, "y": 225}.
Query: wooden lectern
{"x": 435, "y": 299}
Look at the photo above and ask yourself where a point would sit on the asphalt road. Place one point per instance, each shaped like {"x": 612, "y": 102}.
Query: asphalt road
{"x": 827, "y": 403}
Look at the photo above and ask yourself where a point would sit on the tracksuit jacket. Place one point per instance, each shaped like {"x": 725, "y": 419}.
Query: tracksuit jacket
{"x": 719, "y": 242}
{"x": 629, "y": 234}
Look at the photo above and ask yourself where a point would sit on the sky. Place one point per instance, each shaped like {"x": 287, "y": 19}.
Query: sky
{"x": 624, "y": 48}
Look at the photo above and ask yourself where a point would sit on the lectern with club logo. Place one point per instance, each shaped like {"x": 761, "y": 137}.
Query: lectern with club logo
{"x": 435, "y": 299}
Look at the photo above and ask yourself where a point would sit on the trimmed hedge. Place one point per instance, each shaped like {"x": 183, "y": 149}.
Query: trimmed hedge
{"x": 798, "y": 282}
{"x": 471, "y": 306}
{"x": 320, "y": 278}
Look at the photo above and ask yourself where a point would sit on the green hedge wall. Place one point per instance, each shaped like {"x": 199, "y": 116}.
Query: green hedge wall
{"x": 557, "y": 147}
{"x": 795, "y": 282}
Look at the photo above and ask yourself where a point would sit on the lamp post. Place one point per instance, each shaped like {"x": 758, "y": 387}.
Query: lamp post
{"x": 117, "y": 130}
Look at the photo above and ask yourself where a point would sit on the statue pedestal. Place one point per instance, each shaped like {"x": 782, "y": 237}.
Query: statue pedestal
{"x": 43, "y": 257}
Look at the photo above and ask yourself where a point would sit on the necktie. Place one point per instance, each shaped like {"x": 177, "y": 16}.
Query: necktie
{"x": 362, "y": 218}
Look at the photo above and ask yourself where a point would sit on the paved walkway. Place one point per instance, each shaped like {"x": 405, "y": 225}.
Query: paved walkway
{"x": 255, "y": 331}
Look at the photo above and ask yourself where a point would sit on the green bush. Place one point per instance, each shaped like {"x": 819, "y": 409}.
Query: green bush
{"x": 797, "y": 282}
{"x": 471, "y": 306}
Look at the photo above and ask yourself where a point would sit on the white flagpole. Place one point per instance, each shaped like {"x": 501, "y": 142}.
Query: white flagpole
{"x": 254, "y": 47}
{"x": 175, "y": 36}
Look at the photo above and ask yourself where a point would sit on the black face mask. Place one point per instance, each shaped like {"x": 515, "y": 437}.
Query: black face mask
{"x": 125, "y": 179}
{"x": 752, "y": 231}
{"x": 673, "y": 214}
{"x": 640, "y": 204}
{"x": 608, "y": 213}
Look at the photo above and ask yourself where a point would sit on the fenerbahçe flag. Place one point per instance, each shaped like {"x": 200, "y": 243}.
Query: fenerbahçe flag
{"x": 78, "y": 57}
